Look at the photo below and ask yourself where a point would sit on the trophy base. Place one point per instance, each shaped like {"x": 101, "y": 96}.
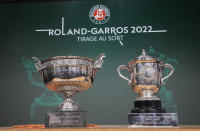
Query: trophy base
{"x": 148, "y": 106}
{"x": 153, "y": 119}
{"x": 65, "y": 119}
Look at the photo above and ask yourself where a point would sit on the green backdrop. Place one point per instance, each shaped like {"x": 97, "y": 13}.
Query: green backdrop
{"x": 110, "y": 98}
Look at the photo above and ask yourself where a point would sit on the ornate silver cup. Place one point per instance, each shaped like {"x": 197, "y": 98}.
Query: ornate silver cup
{"x": 146, "y": 79}
{"x": 146, "y": 75}
{"x": 68, "y": 75}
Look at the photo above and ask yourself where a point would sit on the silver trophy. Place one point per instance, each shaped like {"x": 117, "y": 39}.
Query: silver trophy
{"x": 146, "y": 79}
{"x": 68, "y": 75}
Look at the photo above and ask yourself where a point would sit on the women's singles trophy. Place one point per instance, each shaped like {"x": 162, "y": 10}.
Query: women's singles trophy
{"x": 68, "y": 75}
{"x": 146, "y": 80}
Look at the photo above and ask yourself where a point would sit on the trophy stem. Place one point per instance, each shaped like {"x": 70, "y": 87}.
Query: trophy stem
{"x": 147, "y": 95}
{"x": 68, "y": 104}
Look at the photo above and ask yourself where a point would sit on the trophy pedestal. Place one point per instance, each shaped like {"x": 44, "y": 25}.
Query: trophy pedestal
{"x": 153, "y": 119}
{"x": 65, "y": 119}
{"x": 151, "y": 113}
{"x": 148, "y": 106}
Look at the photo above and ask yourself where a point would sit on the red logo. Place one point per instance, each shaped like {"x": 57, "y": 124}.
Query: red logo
{"x": 99, "y": 14}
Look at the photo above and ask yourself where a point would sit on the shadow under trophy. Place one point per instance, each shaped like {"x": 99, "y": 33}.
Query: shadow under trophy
{"x": 146, "y": 80}
{"x": 47, "y": 100}
{"x": 68, "y": 75}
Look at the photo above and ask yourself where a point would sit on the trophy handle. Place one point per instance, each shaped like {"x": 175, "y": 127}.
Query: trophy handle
{"x": 98, "y": 63}
{"x": 171, "y": 68}
{"x": 120, "y": 68}
{"x": 38, "y": 63}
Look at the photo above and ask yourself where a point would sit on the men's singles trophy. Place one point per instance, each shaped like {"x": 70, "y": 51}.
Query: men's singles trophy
{"x": 146, "y": 79}
{"x": 68, "y": 75}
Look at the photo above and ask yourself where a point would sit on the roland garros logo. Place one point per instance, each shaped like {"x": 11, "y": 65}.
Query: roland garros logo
{"x": 99, "y": 14}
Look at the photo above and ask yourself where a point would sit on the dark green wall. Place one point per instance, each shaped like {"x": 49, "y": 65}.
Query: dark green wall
{"x": 110, "y": 99}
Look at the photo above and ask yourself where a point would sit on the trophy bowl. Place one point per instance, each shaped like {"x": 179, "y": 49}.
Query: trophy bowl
{"x": 68, "y": 75}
